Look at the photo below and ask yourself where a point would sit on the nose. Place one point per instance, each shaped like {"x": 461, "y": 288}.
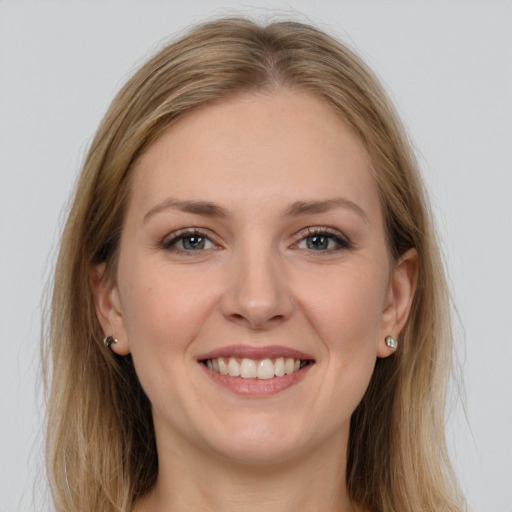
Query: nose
{"x": 257, "y": 295}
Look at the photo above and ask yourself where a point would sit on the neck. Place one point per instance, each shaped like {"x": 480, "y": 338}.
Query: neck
{"x": 208, "y": 482}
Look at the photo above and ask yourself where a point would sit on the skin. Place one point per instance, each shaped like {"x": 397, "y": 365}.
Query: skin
{"x": 256, "y": 281}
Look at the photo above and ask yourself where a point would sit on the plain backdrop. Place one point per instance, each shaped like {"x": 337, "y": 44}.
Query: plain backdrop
{"x": 448, "y": 67}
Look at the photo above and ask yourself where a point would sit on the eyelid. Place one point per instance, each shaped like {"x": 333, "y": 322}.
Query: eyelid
{"x": 172, "y": 238}
{"x": 340, "y": 237}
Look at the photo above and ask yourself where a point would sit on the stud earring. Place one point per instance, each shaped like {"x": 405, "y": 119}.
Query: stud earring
{"x": 109, "y": 340}
{"x": 391, "y": 342}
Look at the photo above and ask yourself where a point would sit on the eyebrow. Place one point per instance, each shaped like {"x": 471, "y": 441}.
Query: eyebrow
{"x": 205, "y": 208}
{"x": 209, "y": 209}
{"x": 311, "y": 207}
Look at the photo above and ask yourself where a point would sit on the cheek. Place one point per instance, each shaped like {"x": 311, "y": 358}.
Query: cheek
{"x": 163, "y": 315}
{"x": 345, "y": 309}
{"x": 347, "y": 317}
{"x": 162, "y": 312}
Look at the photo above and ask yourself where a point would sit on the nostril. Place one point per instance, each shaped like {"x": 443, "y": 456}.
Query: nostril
{"x": 257, "y": 322}
{"x": 257, "y": 301}
{"x": 237, "y": 316}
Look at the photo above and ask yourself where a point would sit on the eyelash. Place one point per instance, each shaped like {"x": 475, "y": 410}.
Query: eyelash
{"x": 343, "y": 243}
{"x": 169, "y": 243}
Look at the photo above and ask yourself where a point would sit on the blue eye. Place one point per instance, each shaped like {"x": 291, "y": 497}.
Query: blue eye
{"x": 192, "y": 243}
{"x": 320, "y": 243}
{"x": 188, "y": 242}
{"x": 323, "y": 241}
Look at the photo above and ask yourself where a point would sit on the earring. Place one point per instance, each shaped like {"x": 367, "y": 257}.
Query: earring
{"x": 391, "y": 342}
{"x": 109, "y": 340}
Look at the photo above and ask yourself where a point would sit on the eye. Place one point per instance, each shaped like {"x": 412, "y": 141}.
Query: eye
{"x": 323, "y": 240}
{"x": 188, "y": 241}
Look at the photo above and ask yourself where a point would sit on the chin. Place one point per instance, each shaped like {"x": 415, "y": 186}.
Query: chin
{"x": 256, "y": 452}
{"x": 261, "y": 442}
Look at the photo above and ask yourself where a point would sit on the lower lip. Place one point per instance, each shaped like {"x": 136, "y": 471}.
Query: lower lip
{"x": 257, "y": 387}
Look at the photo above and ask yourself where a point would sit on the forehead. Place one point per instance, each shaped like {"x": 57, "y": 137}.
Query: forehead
{"x": 280, "y": 145}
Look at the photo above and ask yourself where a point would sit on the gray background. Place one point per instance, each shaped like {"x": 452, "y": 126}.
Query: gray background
{"x": 448, "y": 65}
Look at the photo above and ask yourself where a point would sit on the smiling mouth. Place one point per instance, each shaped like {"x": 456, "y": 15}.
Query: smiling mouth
{"x": 262, "y": 369}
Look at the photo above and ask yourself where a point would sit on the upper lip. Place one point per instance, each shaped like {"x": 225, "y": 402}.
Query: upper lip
{"x": 256, "y": 353}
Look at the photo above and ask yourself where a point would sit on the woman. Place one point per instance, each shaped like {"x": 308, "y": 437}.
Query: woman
{"x": 249, "y": 307}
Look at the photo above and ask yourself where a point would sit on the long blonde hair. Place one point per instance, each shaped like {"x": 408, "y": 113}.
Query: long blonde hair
{"x": 101, "y": 452}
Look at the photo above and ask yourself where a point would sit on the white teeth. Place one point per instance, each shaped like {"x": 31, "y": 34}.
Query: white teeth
{"x": 252, "y": 369}
{"x": 223, "y": 367}
{"x": 248, "y": 369}
{"x": 265, "y": 369}
{"x": 279, "y": 367}
{"x": 233, "y": 367}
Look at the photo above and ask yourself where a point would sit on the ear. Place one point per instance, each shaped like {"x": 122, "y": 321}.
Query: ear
{"x": 400, "y": 294}
{"x": 108, "y": 309}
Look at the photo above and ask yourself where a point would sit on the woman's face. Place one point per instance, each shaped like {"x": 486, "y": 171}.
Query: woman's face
{"x": 253, "y": 242}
